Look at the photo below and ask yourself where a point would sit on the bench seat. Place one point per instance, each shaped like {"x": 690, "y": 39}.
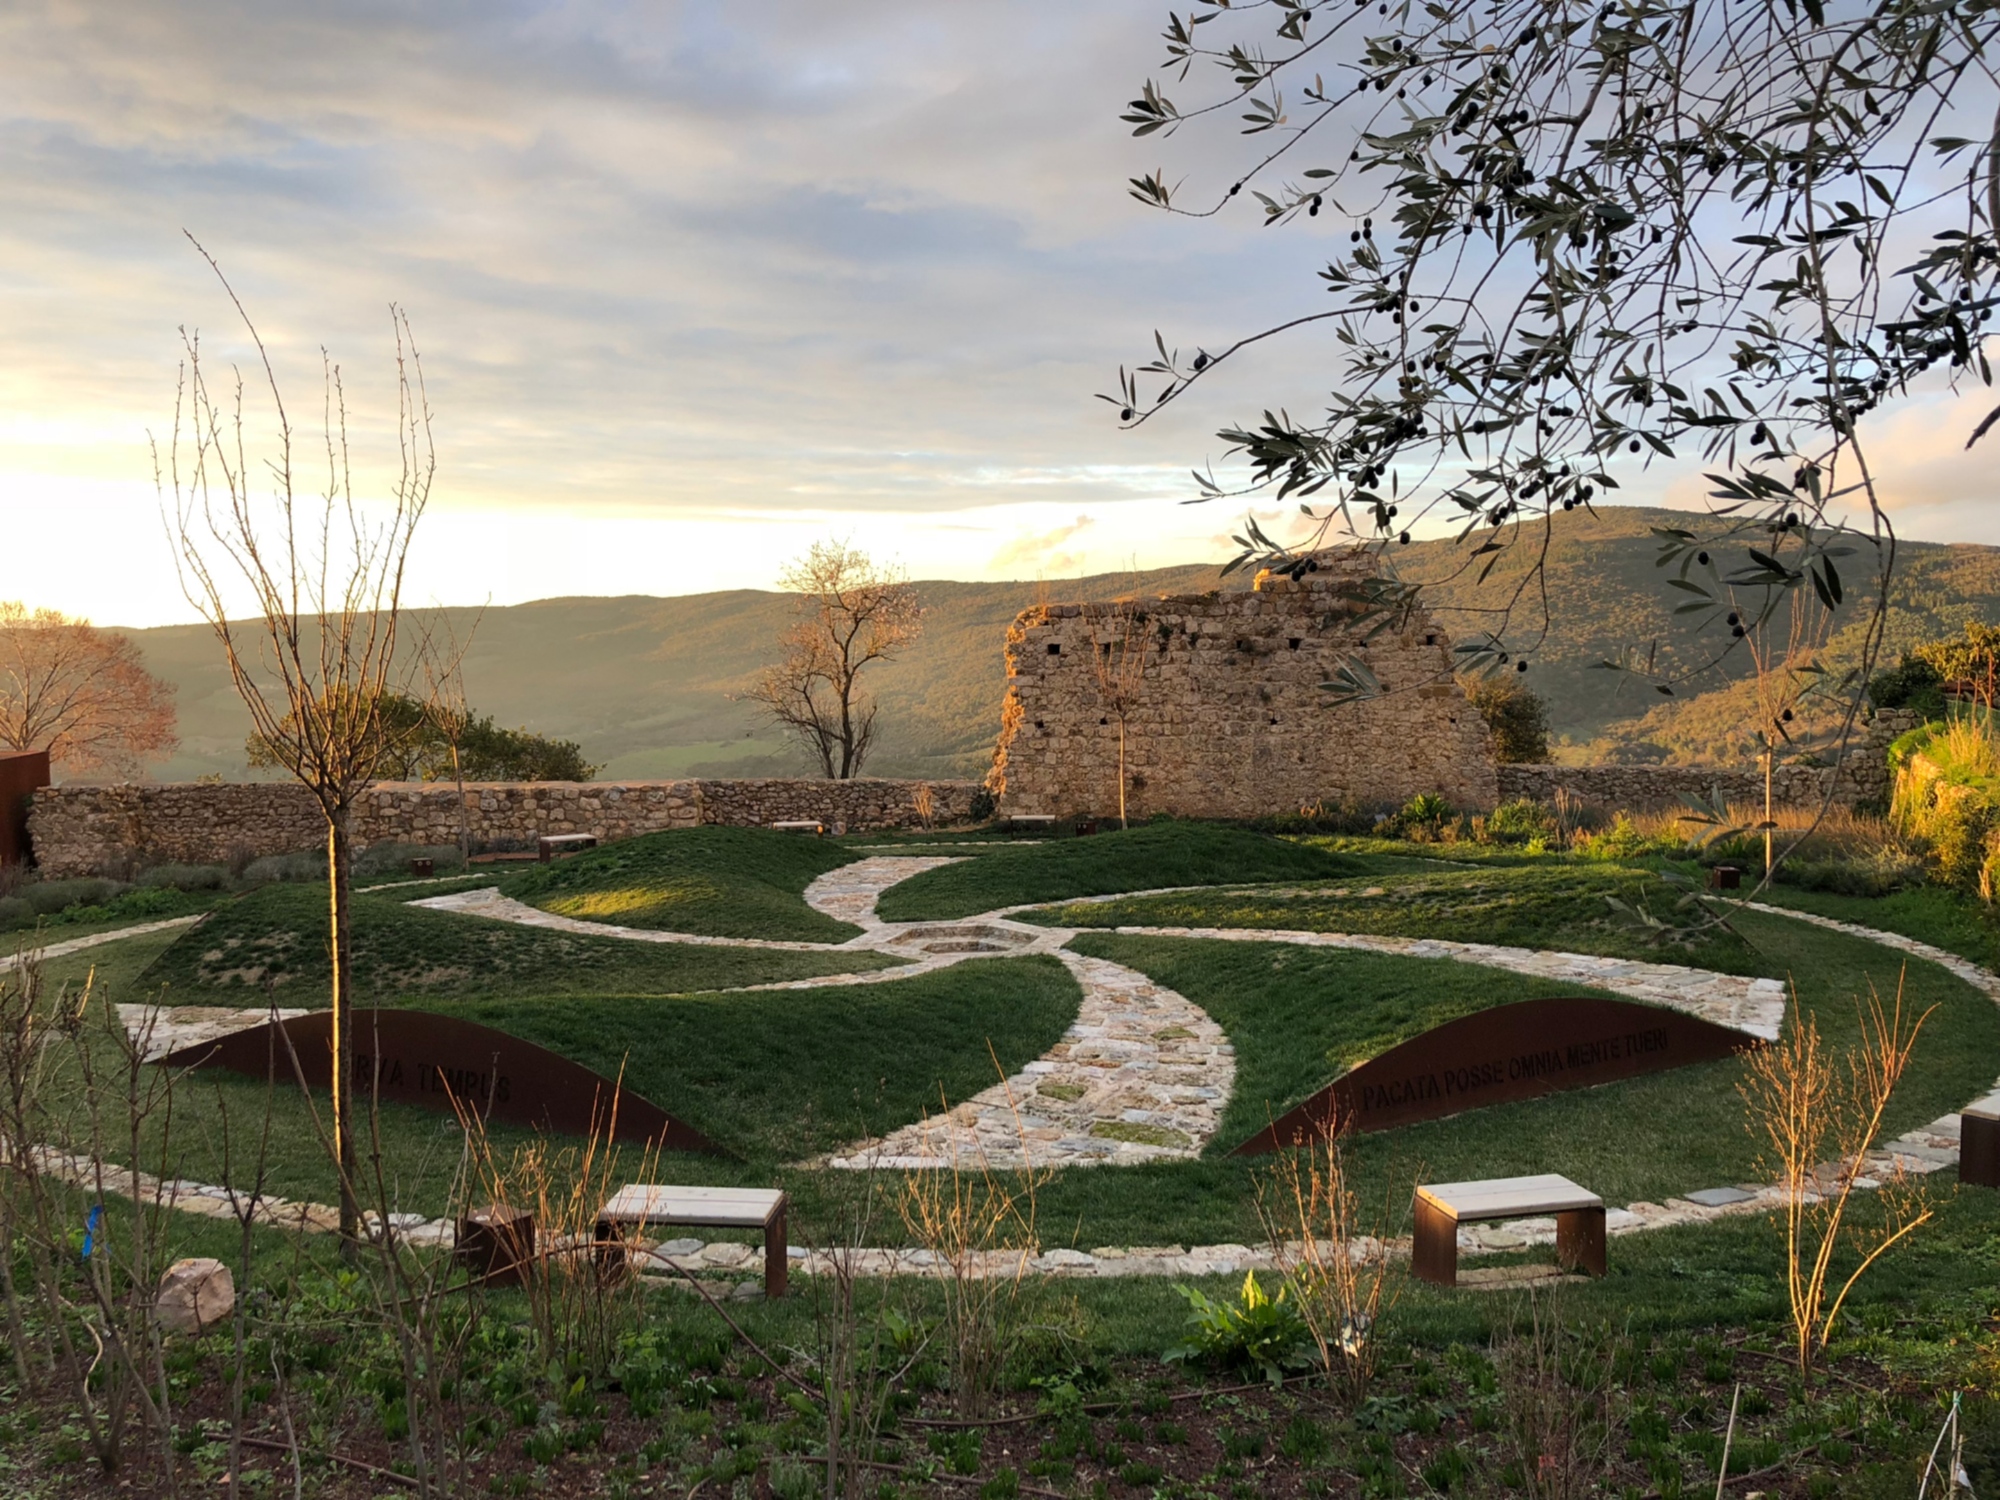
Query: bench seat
{"x": 639, "y": 1204}
{"x": 1442, "y": 1206}
{"x": 800, "y": 825}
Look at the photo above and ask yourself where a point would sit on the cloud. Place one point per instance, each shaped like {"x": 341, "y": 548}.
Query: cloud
{"x": 1043, "y": 553}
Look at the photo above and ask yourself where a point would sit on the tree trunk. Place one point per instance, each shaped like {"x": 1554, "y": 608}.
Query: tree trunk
{"x": 339, "y": 872}
{"x": 1770, "y": 755}
{"x": 1121, "y": 773}
{"x": 464, "y": 824}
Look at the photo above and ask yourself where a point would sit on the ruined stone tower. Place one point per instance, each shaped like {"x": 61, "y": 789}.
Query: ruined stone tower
{"x": 1224, "y": 712}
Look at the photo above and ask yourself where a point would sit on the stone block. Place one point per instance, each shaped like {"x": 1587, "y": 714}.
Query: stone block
{"x": 194, "y": 1295}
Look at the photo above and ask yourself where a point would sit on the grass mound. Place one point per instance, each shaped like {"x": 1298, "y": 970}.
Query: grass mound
{"x": 721, "y": 882}
{"x": 788, "y": 1074}
{"x": 1159, "y": 854}
{"x": 277, "y": 936}
{"x": 1301, "y": 1017}
{"x": 1562, "y": 908}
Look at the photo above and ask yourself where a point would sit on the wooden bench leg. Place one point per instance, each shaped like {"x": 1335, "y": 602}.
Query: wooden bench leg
{"x": 1580, "y": 1240}
{"x": 1434, "y": 1247}
{"x": 610, "y": 1255}
{"x": 777, "y": 1262}
{"x": 1978, "y": 1151}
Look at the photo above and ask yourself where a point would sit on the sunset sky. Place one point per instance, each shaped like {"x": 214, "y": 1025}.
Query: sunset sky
{"x": 694, "y": 284}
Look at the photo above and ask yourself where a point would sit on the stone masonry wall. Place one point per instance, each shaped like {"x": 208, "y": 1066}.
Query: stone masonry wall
{"x": 1229, "y": 718}
{"x": 1863, "y": 776}
{"x": 81, "y": 830}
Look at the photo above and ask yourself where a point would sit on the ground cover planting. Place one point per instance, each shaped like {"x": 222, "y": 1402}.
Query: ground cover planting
{"x": 721, "y": 882}
{"x": 1148, "y": 857}
{"x": 274, "y": 940}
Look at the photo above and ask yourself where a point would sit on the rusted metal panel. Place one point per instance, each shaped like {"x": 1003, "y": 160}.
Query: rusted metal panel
{"x": 445, "y": 1063}
{"x": 1518, "y": 1051}
{"x": 22, "y": 772}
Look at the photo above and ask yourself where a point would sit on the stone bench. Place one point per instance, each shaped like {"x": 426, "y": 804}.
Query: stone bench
{"x": 1441, "y": 1207}
{"x": 639, "y": 1204}
{"x": 1979, "y": 1142}
{"x": 801, "y": 825}
{"x": 550, "y": 845}
{"x": 1031, "y": 820}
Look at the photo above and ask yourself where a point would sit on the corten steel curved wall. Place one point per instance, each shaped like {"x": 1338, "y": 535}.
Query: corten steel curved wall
{"x": 447, "y": 1064}
{"x": 1518, "y": 1051}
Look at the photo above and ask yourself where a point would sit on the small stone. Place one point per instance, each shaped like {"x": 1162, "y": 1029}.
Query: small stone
{"x": 676, "y": 1249}
{"x": 1066, "y": 1258}
{"x": 194, "y": 1295}
{"x": 1721, "y": 1197}
{"x": 747, "y": 1291}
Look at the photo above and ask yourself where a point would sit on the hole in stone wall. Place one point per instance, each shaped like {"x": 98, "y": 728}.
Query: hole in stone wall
{"x": 1430, "y": 640}
{"x": 1294, "y": 643}
{"x": 1055, "y": 648}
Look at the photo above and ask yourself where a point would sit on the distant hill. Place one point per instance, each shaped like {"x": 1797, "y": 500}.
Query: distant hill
{"x": 647, "y": 684}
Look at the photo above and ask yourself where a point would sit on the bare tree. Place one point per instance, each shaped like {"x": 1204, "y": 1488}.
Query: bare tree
{"x": 325, "y": 577}
{"x": 443, "y": 660}
{"x": 851, "y": 613}
{"x": 80, "y": 693}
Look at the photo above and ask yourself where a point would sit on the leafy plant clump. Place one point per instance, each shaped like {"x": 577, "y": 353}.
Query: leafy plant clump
{"x": 1257, "y": 1331}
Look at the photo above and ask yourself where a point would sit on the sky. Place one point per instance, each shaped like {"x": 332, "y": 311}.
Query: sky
{"x": 694, "y": 285}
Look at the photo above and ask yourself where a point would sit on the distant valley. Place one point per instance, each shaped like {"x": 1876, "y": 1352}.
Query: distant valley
{"x": 648, "y": 685}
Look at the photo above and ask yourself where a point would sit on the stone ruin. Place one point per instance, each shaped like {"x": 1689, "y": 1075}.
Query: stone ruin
{"x": 1227, "y": 715}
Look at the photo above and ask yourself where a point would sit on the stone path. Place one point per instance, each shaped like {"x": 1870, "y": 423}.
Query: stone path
{"x": 1142, "y": 1074}
{"x": 162, "y": 1029}
{"x": 1753, "y": 1005}
{"x": 95, "y": 940}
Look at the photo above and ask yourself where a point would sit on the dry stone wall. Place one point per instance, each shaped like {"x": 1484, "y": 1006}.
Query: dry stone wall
{"x": 82, "y": 830}
{"x": 1228, "y": 717}
{"x": 1862, "y": 777}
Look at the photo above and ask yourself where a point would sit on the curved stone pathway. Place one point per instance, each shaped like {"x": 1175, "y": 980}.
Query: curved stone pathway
{"x": 16, "y": 958}
{"x": 1142, "y": 1074}
{"x": 1753, "y": 1005}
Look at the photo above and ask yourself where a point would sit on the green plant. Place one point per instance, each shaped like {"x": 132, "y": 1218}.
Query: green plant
{"x": 1424, "y": 816}
{"x": 1518, "y": 821}
{"x": 1257, "y": 1331}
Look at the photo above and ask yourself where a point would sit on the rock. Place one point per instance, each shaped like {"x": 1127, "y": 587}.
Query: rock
{"x": 747, "y": 1291}
{"x": 194, "y": 1295}
{"x": 678, "y": 1249}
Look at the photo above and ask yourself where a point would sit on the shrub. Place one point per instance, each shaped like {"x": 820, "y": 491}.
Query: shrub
{"x": 307, "y": 864}
{"x": 1517, "y": 822}
{"x": 1915, "y": 685}
{"x": 1947, "y": 794}
{"x": 186, "y": 877}
{"x": 983, "y": 805}
{"x": 394, "y": 859}
{"x": 1423, "y": 816}
{"x": 1625, "y": 840}
{"x": 1517, "y": 718}
{"x": 47, "y": 897}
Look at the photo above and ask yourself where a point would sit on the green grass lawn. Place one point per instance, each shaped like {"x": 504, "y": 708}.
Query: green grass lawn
{"x": 790, "y": 1073}
{"x": 722, "y": 882}
{"x": 1932, "y": 914}
{"x": 1150, "y": 857}
{"x": 1562, "y": 908}
{"x": 277, "y": 937}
